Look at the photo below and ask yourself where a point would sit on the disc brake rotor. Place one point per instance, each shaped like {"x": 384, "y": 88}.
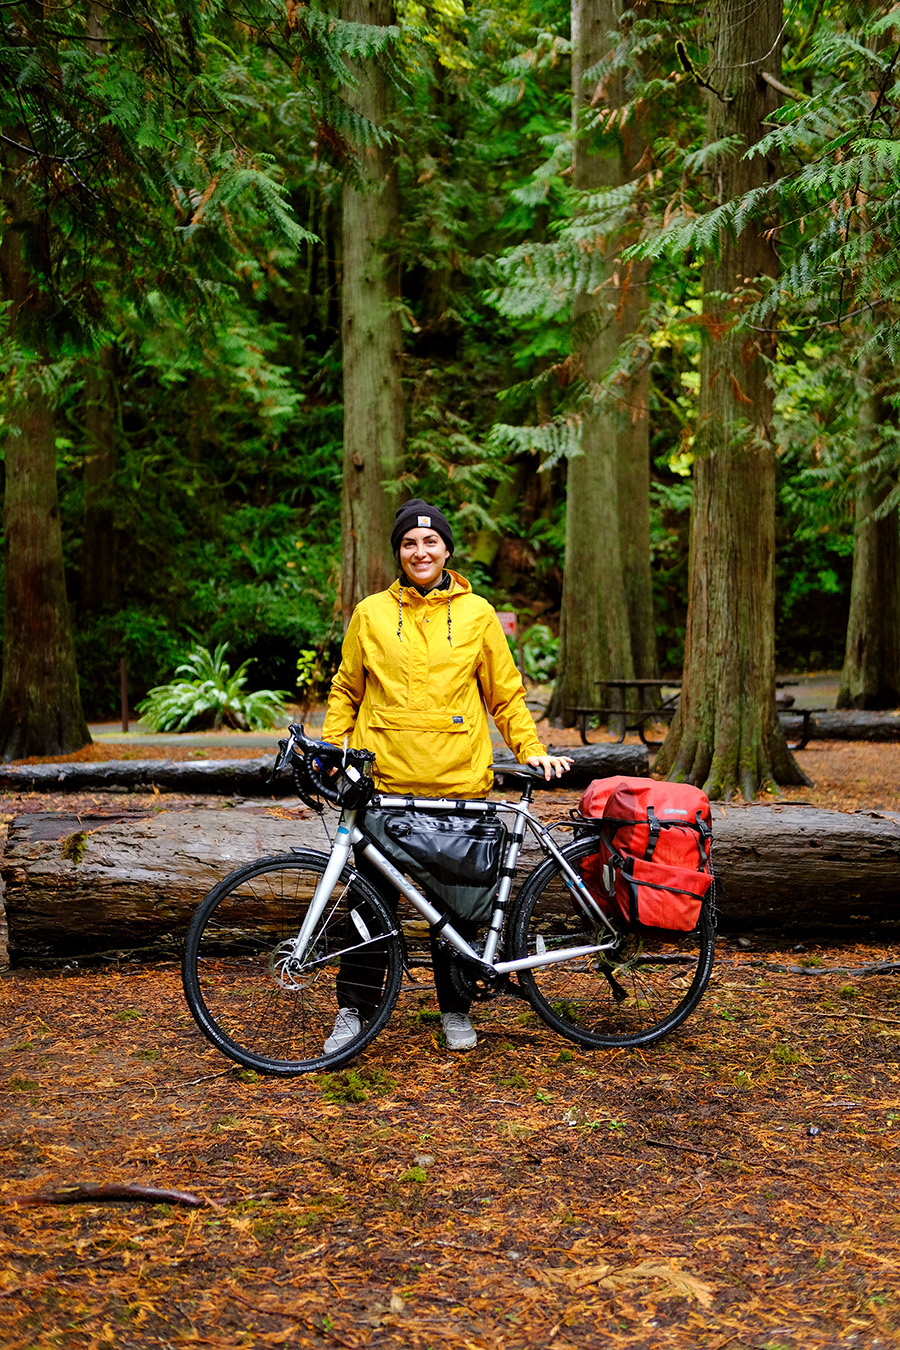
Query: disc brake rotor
{"x": 287, "y": 973}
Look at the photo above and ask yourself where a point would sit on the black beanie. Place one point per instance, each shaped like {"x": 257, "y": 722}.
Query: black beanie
{"x": 417, "y": 514}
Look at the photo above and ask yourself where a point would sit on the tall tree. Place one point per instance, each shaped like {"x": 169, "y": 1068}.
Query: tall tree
{"x": 112, "y": 156}
{"x": 40, "y": 702}
{"x": 595, "y": 633}
{"x": 633, "y": 445}
{"x": 838, "y": 199}
{"x": 871, "y": 674}
{"x": 726, "y": 736}
{"x": 374, "y": 417}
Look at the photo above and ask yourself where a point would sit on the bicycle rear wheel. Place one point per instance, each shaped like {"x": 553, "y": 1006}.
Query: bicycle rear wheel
{"x": 642, "y": 988}
{"x": 253, "y": 999}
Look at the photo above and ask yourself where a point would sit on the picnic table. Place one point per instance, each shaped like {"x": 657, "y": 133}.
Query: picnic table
{"x": 632, "y": 719}
{"x": 663, "y": 709}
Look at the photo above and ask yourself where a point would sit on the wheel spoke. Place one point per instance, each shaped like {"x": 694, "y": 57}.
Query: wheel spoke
{"x": 249, "y": 995}
{"x": 629, "y": 995}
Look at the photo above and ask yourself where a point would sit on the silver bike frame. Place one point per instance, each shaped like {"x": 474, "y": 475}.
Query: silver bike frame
{"x": 349, "y": 834}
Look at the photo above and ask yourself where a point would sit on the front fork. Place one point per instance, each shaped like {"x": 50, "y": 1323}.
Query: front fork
{"x": 340, "y": 854}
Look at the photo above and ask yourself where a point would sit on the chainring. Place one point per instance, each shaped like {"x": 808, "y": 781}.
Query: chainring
{"x": 471, "y": 984}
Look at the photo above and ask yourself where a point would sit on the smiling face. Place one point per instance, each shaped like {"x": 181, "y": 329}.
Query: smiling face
{"x": 422, "y": 556}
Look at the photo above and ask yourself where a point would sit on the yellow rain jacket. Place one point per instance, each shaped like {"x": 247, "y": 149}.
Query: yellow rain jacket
{"x": 419, "y": 698}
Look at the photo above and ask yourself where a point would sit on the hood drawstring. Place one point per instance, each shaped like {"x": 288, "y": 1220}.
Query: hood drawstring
{"x": 440, "y": 586}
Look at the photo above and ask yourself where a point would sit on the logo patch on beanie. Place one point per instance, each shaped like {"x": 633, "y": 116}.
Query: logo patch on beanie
{"x": 424, "y": 522}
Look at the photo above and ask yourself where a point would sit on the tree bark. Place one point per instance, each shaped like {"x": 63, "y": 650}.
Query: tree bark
{"x": 607, "y": 489}
{"x": 78, "y": 885}
{"x": 634, "y": 499}
{"x": 871, "y": 674}
{"x": 374, "y": 419}
{"x": 40, "y": 702}
{"x": 726, "y": 735}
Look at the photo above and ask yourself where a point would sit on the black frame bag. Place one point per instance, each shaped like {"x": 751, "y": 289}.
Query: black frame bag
{"x": 455, "y": 859}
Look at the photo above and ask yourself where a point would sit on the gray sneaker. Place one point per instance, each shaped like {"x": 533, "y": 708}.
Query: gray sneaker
{"x": 347, "y": 1027}
{"x": 459, "y": 1032}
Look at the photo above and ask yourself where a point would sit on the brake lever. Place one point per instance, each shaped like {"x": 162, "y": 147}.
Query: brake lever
{"x": 285, "y": 750}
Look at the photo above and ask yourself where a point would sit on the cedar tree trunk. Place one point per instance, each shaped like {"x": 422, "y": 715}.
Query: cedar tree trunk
{"x": 634, "y": 490}
{"x": 372, "y": 343}
{"x": 595, "y": 630}
{"x": 40, "y": 702}
{"x": 871, "y": 674}
{"x": 726, "y": 737}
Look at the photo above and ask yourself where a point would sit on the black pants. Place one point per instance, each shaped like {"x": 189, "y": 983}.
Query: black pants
{"x": 361, "y": 977}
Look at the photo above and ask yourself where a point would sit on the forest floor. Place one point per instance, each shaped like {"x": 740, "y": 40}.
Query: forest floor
{"x": 735, "y": 1185}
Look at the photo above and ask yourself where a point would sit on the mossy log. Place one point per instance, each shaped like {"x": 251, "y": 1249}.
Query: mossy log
{"x": 79, "y": 885}
{"x": 852, "y": 724}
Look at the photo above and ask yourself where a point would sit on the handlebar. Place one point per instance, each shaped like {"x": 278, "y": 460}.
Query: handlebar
{"x": 345, "y": 777}
{"x": 320, "y": 769}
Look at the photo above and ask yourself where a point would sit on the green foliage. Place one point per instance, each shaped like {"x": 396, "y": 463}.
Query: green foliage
{"x": 314, "y": 670}
{"x": 213, "y": 697}
{"x": 201, "y": 248}
{"x": 541, "y": 652}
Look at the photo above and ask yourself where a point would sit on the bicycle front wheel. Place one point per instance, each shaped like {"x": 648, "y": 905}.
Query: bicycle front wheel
{"x": 255, "y": 998}
{"x": 640, "y": 989}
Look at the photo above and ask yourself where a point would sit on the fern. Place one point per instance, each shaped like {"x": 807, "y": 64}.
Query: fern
{"x": 552, "y": 442}
{"x": 210, "y": 695}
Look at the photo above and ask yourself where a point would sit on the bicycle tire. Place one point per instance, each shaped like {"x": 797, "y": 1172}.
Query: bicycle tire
{"x": 645, "y": 987}
{"x": 247, "y": 995}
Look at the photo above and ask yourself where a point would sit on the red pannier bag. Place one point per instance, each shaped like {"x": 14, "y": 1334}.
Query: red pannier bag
{"x": 653, "y": 860}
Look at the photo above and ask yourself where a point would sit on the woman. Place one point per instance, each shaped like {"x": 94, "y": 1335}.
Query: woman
{"x": 423, "y": 663}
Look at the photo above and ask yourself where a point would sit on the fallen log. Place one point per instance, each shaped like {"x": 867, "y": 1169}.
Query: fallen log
{"x": 823, "y": 724}
{"x": 600, "y": 760}
{"x": 253, "y": 777}
{"x": 851, "y": 725}
{"x": 800, "y": 867}
{"x": 206, "y": 777}
{"x": 78, "y": 886}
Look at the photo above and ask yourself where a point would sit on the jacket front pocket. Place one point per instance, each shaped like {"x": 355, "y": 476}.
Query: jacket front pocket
{"x": 423, "y": 752}
{"x": 413, "y": 719}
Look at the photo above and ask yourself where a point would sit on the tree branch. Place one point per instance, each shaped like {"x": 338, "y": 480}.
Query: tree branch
{"x": 782, "y": 88}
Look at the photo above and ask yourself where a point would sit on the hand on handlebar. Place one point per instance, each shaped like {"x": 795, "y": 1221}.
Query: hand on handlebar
{"x": 552, "y": 765}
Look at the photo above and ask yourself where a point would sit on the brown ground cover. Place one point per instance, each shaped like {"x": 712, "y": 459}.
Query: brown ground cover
{"x": 734, "y": 1185}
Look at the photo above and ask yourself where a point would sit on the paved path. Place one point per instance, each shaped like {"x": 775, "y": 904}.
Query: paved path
{"x": 809, "y": 691}
{"x": 812, "y": 691}
{"x": 136, "y": 735}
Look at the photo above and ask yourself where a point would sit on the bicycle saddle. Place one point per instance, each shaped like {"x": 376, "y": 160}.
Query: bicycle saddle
{"x": 516, "y": 770}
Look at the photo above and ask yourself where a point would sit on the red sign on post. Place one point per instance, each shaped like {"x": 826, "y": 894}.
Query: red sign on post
{"x": 507, "y": 619}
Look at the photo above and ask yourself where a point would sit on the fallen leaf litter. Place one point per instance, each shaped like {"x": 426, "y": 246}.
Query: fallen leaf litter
{"x": 735, "y": 1185}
